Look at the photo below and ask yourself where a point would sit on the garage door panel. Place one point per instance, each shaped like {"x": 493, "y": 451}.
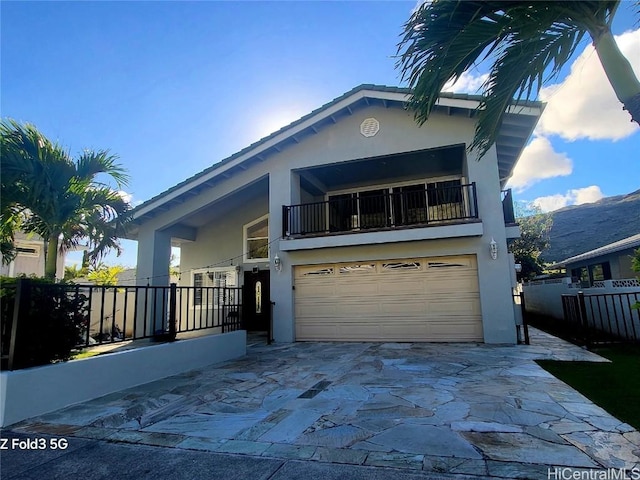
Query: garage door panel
{"x": 461, "y": 283}
{"x": 352, "y": 308}
{"x": 305, "y": 291}
{"x": 357, "y": 290}
{"x": 403, "y": 288}
{"x": 328, "y": 311}
{"x": 428, "y": 299}
{"x": 454, "y": 307}
{"x": 410, "y": 332}
{"x": 319, "y": 310}
{"x": 394, "y": 308}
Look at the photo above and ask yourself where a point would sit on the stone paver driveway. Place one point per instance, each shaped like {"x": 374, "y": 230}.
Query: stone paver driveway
{"x": 455, "y": 408}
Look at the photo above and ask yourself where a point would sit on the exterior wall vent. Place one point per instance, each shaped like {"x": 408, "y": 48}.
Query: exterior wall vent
{"x": 369, "y": 127}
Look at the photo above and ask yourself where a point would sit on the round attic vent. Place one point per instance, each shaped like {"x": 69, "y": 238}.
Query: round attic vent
{"x": 369, "y": 127}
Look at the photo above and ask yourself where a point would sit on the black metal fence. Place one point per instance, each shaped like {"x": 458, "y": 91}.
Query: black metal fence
{"x": 604, "y": 317}
{"x": 88, "y": 315}
{"x": 366, "y": 211}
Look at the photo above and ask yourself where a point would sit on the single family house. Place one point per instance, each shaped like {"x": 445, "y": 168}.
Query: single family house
{"x": 353, "y": 223}
{"x": 30, "y": 257}
{"x": 609, "y": 262}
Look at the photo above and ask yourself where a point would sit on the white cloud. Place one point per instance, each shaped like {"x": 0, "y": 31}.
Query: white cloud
{"x": 128, "y": 197}
{"x": 551, "y": 202}
{"x": 539, "y": 161}
{"x": 587, "y": 195}
{"x": 576, "y": 196}
{"x": 584, "y": 104}
{"x": 418, "y": 4}
{"x": 467, "y": 83}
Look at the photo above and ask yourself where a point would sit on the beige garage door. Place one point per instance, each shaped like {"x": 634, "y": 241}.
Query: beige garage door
{"x": 432, "y": 299}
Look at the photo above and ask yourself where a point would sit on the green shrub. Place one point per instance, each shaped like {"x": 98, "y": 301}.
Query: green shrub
{"x": 56, "y": 315}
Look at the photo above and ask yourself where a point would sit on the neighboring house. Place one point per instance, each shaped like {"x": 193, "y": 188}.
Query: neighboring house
{"x": 30, "y": 258}
{"x": 610, "y": 262}
{"x": 358, "y": 224}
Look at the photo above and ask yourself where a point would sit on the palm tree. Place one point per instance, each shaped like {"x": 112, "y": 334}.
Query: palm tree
{"x": 526, "y": 42}
{"x": 65, "y": 201}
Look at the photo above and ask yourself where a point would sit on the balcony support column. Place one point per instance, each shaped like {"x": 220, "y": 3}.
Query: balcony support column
{"x": 496, "y": 299}
{"x": 284, "y": 189}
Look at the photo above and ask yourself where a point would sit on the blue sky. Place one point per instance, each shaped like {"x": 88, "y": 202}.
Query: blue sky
{"x": 172, "y": 87}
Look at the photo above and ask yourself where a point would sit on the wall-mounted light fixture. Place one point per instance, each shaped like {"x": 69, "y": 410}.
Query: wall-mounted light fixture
{"x": 277, "y": 263}
{"x": 493, "y": 249}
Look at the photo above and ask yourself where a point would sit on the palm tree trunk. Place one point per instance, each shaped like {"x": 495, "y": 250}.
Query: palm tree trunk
{"x": 51, "y": 258}
{"x": 619, "y": 72}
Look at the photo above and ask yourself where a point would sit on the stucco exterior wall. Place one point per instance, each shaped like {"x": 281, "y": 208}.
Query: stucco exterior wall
{"x": 221, "y": 240}
{"x": 34, "y": 391}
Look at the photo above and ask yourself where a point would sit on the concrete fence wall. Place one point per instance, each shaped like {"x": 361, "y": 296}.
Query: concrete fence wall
{"x": 34, "y": 391}
{"x": 544, "y": 297}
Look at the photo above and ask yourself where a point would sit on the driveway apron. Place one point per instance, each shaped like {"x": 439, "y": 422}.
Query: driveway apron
{"x": 451, "y": 408}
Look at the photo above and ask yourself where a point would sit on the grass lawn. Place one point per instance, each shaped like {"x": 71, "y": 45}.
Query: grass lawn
{"x": 613, "y": 386}
{"x": 84, "y": 354}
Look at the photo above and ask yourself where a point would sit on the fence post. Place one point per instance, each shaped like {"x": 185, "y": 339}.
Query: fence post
{"x": 173, "y": 290}
{"x": 475, "y": 200}
{"x": 582, "y": 312}
{"x": 20, "y": 313}
{"x": 270, "y": 330}
{"x": 525, "y": 325}
{"x": 223, "y": 309}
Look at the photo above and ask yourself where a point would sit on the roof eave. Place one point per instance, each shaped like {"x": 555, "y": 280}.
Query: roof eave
{"x": 375, "y": 92}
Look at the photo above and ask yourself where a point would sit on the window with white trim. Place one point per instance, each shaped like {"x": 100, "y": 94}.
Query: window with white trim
{"x": 209, "y": 284}
{"x": 256, "y": 240}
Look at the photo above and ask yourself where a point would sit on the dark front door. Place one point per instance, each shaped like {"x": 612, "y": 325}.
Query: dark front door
{"x": 256, "y": 301}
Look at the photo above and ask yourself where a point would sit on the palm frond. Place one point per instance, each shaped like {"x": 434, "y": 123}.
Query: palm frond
{"x": 443, "y": 40}
{"x": 527, "y": 43}
{"x": 520, "y": 70}
{"x": 91, "y": 163}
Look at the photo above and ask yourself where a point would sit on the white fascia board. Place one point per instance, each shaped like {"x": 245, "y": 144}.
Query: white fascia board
{"x": 525, "y": 110}
{"x": 475, "y": 229}
{"x": 467, "y": 103}
{"x": 404, "y": 98}
{"x": 391, "y": 96}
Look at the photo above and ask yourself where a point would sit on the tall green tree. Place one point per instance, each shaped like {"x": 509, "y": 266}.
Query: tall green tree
{"x": 66, "y": 201}
{"x": 535, "y": 228}
{"x": 102, "y": 274}
{"x": 526, "y": 43}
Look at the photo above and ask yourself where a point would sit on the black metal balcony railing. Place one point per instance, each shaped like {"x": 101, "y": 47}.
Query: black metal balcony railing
{"x": 507, "y": 207}
{"x": 366, "y": 211}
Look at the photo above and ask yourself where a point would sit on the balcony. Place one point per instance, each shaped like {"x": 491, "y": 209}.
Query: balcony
{"x": 507, "y": 207}
{"x": 439, "y": 203}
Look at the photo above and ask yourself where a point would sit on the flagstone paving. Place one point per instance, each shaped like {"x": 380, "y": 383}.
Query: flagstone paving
{"x": 448, "y": 408}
